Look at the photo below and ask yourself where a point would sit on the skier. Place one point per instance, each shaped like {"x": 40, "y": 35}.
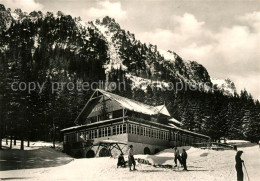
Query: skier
{"x": 239, "y": 168}
{"x": 184, "y": 157}
{"x": 177, "y": 156}
{"x": 131, "y": 159}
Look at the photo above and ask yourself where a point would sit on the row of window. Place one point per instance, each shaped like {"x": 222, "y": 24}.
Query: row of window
{"x": 132, "y": 129}
{"x": 96, "y": 133}
{"x": 185, "y": 138}
{"x": 150, "y": 132}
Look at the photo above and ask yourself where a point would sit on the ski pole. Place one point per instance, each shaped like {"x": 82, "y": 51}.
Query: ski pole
{"x": 246, "y": 171}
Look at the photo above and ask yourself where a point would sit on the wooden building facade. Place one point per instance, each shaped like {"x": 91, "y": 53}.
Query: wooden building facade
{"x": 148, "y": 128}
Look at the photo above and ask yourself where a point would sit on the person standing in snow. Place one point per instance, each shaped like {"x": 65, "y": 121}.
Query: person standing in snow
{"x": 131, "y": 159}
{"x": 177, "y": 156}
{"x": 184, "y": 157}
{"x": 239, "y": 169}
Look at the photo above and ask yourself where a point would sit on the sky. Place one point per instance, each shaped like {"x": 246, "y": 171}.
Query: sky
{"x": 222, "y": 35}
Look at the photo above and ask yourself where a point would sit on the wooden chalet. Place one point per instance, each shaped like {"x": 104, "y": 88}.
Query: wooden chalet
{"x": 107, "y": 116}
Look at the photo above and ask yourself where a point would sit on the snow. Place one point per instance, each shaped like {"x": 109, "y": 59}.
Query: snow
{"x": 175, "y": 121}
{"x": 237, "y": 141}
{"x": 225, "y": 85}
{"x": 131, "y": 104}
{"x": 15, "y": 16}
{"x": 135, "y": 105}
{"x": 163, "y": 110}
{"x": 203, "y": 165}
{"x": 167, "y": 55}
{"x": 142, "y": 83}
{"x": 73, "y": 127}
{"x": 115, "y": 61}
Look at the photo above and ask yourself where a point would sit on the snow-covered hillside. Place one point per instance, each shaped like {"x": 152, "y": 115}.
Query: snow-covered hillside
{"x": 122, "y": 50}
{"x": 227, "y": 86}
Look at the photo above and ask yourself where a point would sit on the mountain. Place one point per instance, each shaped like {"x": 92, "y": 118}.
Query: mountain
{"x": 122, "y": 50}
{"x": 143, "y": 60}
{"x": 50, "y": 56}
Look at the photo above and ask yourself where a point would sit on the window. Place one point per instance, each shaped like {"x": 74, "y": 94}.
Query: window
{"x": 118, "y": 129}
{"x": 141, "y": 130}
{"x": 172, "y": 136}
{"x": 124, "y": 128}
{"x": 137, "y": 129}
{"x": 153, "y": 133}
{"x": 95, "y": 133}
{"x": 149, "y": 132}
{"x": 164, "y": 135}
{"x": 130, "y": 128}
{"x": 114, "y": 130}
{"x": 134, "y": 129}
{"x": 92, "y": 134}
{"x": 65, "y": 139}
{"x": 87, "y": 136}
{"x": 121, "y": 128}
{"x": 108, "y": 130}
{"x": 100, "y": 132}
{"x": 103, "y": 132}
{"x": 167, "y": 136}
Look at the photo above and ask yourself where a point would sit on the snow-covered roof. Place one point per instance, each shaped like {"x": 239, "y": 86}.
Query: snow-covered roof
{"x": 175, "y": 121}
{"x": 187, "y": 131}
{"x": 70, "y": 128}
{"x": 163, "y": 110}
{"x": 135, "y": 105}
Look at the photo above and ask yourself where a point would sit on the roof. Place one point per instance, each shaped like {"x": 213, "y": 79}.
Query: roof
{"x": 70, "y": 128}
{"x": 175, "y": 121}
{"x": 163, "y": 110}
{"x": 135, "y": 105}
{"x": 187, "y": 131}
{"x": 91, "y": 124}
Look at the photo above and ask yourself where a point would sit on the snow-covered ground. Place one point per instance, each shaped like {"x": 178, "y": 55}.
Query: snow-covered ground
{"x": 202, "y": 165}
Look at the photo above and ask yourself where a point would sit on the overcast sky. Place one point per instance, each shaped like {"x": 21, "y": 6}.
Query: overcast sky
{"x": 223, "y": 35}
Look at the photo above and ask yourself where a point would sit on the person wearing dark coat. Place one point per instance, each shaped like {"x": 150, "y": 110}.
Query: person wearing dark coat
{"x": 184, "y": 157}
{"x": 239, "y": 169}
{"x": 121, "y": 161}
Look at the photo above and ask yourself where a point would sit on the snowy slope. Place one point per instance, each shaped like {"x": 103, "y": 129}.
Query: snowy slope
{"x": 169, "y": 61}
{"x": 227, "y": 86}
{"x": 144, "y": 64}
{"x": 113, "y": 51}
{"x": 203, "y": 165}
